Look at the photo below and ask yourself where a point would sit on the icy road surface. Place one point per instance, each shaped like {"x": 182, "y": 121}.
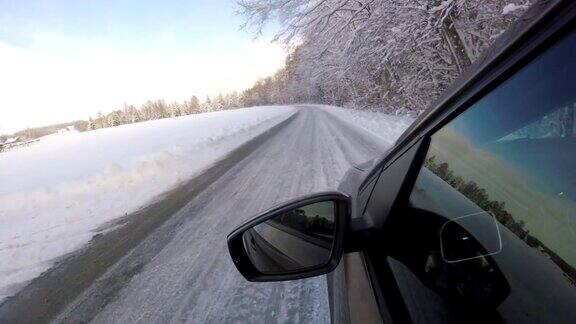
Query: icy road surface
{"x": 181, "y": 270}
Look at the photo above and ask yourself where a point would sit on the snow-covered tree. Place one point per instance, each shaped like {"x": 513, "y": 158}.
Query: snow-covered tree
{"x": 206, "y": 105}
{"x": 376, "y": 53}
{"x": 192, "y": 106}
{"x": 90, "y": 125}
{"x": 219, "y": 103}
{"x": 175, "y": 109}
{"x": 232, "y": 100}
{"x": 113, "y": 119}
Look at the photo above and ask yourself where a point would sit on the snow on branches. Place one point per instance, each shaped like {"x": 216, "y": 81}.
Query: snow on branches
{"x": 378, "y": 53}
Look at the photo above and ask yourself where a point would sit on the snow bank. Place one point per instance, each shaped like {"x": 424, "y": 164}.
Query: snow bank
{"x": 387, "y": 127}
{"x": 57, "y": 194}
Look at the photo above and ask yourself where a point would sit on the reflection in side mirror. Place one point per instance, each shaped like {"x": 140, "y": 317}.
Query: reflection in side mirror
{"x": 296, "y": 240}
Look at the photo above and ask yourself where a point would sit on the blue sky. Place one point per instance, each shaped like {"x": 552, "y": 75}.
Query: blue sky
{"x": 175, "y": 25}
{"x": 69, "y": 59}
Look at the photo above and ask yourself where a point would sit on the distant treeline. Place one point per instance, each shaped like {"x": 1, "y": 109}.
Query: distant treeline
{"x": 129, "y": 114}
{"x": 36, "y": 132}
{"x": 159, "y": 109}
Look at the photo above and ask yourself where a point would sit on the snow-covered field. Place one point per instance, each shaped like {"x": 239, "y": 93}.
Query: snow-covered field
{"x": 56, "y": 195}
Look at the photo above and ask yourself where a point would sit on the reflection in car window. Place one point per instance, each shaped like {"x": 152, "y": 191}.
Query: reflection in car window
{"x": 511, "y": 157}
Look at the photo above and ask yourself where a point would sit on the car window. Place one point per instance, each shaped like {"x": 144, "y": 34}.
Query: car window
{"x": 490, "y": 229}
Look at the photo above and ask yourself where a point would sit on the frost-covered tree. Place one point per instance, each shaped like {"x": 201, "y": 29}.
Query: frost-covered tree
{"x": 394, "y": 54}
{"x": 100, "y": 122}
{"x": 192, "y": 106}
{"x": 135, "y": 116}
{"x": 206, "y": 105}
{"x": 232, "y": 100}
{"x": 90, "y": 125}
{"x": 113, "y": 119}
{"x": 160, "y": 109}
{"x": 175, "y": 109}
{"x": 219, "y": 103}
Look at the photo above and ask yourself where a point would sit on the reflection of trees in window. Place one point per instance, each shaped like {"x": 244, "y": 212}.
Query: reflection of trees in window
{"x": 479, "y": 196}
{"x": 558, "y": 124}
{"x": 310, "y": 225}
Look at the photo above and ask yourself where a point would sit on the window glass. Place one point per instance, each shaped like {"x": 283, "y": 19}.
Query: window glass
{"x": 498, "y": 194}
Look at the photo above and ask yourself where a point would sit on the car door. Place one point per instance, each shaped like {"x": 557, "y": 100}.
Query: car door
{"x": 476, "y": 220}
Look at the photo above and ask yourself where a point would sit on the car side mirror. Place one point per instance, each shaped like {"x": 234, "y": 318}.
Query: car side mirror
{"x": 298, "y": 239}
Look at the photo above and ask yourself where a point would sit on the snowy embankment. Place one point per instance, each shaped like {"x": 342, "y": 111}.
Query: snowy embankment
{"x": 56, "y": 195}
{"x": 386, "y": 127}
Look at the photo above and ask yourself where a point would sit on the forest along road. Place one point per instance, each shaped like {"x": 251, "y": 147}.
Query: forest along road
{"x": 181, "y": 271}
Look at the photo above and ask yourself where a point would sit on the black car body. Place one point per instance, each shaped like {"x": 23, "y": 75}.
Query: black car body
{"x": 471, "y": 216}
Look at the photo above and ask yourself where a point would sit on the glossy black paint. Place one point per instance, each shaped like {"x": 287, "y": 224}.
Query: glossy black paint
{"x": 394, "y": 184}
{"x": 251, "y": 273}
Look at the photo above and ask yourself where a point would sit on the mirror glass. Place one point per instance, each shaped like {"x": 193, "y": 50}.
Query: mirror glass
{"x": 470, "y": 236}
{"x": 294, "y": 240}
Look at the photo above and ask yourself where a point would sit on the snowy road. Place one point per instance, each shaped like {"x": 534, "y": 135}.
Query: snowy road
{"x": 181, "y": 271}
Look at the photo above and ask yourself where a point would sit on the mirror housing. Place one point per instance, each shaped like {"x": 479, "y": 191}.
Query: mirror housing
{"x": 238, "y": 246}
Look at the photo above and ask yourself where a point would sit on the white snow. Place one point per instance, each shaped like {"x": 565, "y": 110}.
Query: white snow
{"x": 387, "y": 127}
{"x": 511, "y": 7}
{"x": 57, "y": 194}
{"x": 11, "y": 140}
{"x": 67, "y": 129}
